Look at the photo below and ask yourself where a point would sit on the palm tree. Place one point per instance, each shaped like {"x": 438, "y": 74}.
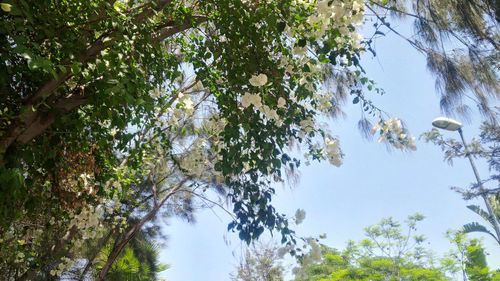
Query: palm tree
{"x": 477, "y": 227}
{"x": 137, "y": 262}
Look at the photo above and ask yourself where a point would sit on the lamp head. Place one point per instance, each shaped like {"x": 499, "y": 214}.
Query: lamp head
{"x": 446, "y": 124}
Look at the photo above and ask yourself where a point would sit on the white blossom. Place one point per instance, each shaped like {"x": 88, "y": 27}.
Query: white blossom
{"x": 332, "y": 152}
{"x": 307, "y": 125}
{"x": 251, "y": 99}
{"x": 281, "y": 103}
{"x": 393, "y": 132}
{"x": 270, "y": 113}
{"x": 258, "y": 80}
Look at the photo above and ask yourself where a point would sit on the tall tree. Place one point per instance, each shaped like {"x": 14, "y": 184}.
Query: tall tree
{"x": 485, "y": 148}
{"x": 112, "y": 110}
{"x": 460, "y": 41}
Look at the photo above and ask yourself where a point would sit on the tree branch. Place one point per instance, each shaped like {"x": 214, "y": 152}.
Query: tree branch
{"x": 120, "y": 245}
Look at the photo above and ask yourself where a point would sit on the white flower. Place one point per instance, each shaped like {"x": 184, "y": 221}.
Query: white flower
{"x": 299, "y": 51}
{"x": 281, "y": 102}
{"x": 249, "y": 99}
{"x": 357, "y": 6}
{"x": 331, "y": 143}
{"x": 258, "y": 80}
{"x": 245, "y": 100}
{"x": 307, "y": 125}
{"x": 303, "y": 80}
{"x": 357, "y": 38}
{"x": 411, "y": 144}
{"x": 155, "y": 93}
{"x": 270, "y": 113}
{"x": 323, "y": 7}
{"x": 188, "y": 104}
{"x": 332, "y": 151}
{"x": 394, "y": 125}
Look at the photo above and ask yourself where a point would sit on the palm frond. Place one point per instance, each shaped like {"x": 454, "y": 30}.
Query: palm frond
{"x": 482, "y": 213}
{"x": 477, "y": 227}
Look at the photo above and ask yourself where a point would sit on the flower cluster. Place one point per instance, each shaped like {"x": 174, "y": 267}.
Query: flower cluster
{"x": 340, "y": 15}
{"x": 258, "y": 80}
{"x": 88, "y": 221}
{"x": 64, "y": 265}
{"x": 251, "y": 99}
{"x": 394, "y": 133}
{"x": 255, "y": 100}
{"x": 332, "y": 152}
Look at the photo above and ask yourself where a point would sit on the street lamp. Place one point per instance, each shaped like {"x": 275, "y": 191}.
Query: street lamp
{"x": 453, "y": 125}
{"x": 446, "y": 124}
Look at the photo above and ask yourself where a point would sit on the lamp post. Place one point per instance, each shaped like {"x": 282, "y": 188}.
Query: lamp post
{"x": 453, "y": 125}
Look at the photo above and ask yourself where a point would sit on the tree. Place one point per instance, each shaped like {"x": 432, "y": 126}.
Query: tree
{"x": 386, "y": 254}
{"x": 261, "y": 262}
{"x": 264, "y": 261}
{"x": 485, "y": 148}
{"x": 460, "y": 41}
{"x": 111, "y": 111}
{"x": 468, "y": 257}
{"x": 138, "y": 261}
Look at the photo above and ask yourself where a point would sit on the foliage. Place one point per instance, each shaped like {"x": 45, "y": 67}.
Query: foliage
{"x": 261, "y": 262}
{"x": 468, "y": 257}
{"x": 460, "y": 41}
{"x": 264, "y": 261}
{"x": 138, "y": 261}
{"x": 485, "y": 148}
{"x": 114, "y": 113}
{"x": 386, "y": 254}
{"x": 389, "y": 252}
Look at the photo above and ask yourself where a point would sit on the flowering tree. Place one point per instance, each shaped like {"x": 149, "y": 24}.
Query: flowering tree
{"x": 112, "y": 110}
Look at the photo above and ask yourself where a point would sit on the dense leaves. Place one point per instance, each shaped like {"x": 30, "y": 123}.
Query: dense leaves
{"x": 460, "y": 39}
{"x": 116, "y": 112}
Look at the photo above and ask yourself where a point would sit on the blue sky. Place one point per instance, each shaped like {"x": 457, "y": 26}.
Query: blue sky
{"x": 371, "y": 184}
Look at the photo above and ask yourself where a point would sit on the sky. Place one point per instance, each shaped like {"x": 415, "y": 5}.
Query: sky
{"x": 373, "y": 183}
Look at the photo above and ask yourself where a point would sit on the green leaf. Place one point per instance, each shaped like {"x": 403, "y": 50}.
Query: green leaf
{"x": 281, "y": 26}
{"x": 477, "y": 227}
{"x": 476, "y": 209}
